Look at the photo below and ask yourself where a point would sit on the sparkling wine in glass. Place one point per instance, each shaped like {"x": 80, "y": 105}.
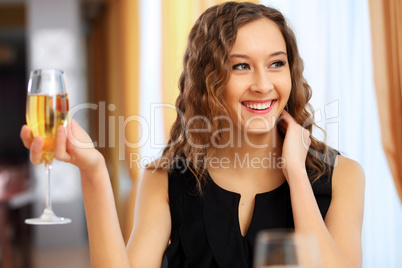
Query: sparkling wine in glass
{"x": 286, "y": 249}
{"x": 47, "y": 109}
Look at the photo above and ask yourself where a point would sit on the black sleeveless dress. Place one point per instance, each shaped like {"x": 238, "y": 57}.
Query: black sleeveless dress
{"x": 206, "y": 231}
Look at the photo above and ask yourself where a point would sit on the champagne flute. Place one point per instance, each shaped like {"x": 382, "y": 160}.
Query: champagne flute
{"x": 47, "y": 109}
{"x": 281, "y": 248}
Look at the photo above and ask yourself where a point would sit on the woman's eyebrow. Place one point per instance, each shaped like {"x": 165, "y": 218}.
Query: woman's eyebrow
{"x": 246, "y": 56}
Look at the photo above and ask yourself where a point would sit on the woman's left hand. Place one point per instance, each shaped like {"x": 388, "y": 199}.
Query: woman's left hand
{"x": 295, "y": 145}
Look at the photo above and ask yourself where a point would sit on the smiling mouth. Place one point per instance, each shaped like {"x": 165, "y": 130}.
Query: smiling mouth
{"x": 258, "y": 106}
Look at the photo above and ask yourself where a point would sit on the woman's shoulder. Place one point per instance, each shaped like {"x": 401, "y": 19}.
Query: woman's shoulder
{"x": 347, "y": 173}
{"x": 154, "y": 180}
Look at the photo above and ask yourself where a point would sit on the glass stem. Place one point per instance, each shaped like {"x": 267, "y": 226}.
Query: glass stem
{"x": 48, "y": 167}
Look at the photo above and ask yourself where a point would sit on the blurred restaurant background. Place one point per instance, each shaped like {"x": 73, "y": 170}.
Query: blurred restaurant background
{"x": 122, "y": 60}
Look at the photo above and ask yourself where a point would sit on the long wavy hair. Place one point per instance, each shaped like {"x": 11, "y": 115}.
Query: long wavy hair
{"x": 206, "y": 71}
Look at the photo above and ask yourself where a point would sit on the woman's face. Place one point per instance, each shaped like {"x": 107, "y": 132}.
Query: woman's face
{"x": 260, "y": 83}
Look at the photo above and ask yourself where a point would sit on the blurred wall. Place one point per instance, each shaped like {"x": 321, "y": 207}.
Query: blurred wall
{"x": 12, "y": 83}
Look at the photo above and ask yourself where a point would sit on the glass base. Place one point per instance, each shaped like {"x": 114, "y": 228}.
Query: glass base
{"x": 48, "y": 218}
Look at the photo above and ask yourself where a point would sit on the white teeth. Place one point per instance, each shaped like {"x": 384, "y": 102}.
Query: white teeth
{"x": 260, "y": 106}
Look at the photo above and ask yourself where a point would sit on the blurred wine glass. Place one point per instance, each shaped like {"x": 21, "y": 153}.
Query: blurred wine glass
{"x": 284, "y": 248}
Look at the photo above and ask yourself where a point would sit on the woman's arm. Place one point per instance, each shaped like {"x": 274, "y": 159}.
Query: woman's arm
{"x": 107, "y": 248}
{"x": 345, "y": 214}
{"x": 339, "y": 236}
{"x": 151, "y": 229}
{"x": 106, "y": 244}
{"x": 152, "y": 220}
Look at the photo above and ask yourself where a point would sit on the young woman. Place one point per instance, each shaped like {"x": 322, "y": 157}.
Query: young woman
{"x": 241, "y": 158}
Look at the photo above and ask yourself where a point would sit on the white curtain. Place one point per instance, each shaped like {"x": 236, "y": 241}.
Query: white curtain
{"x": 334, "y": 41}
{"x": 150, "y": 79}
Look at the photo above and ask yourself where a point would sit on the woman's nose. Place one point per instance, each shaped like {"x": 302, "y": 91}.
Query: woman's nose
{"x": 262, "y": 83}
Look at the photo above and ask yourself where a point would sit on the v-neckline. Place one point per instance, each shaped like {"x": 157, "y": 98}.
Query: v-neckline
{"x": 238, "y": 198}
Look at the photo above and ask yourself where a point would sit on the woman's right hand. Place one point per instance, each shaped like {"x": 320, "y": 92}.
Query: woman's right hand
{"x": 73, "y": 146}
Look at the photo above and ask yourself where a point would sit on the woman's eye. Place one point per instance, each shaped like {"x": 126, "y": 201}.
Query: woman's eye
{"x": 241, "y": 66}
{"x": 278, "y": 64}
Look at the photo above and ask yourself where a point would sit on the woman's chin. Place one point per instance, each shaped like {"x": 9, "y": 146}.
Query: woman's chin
{"x": 258, "y": 131}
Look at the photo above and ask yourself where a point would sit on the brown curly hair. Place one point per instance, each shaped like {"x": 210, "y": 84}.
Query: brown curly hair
{"x": 206, "y": 71}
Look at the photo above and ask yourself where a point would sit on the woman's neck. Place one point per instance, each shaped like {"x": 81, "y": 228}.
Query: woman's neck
{"x": 249, "y": 150}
